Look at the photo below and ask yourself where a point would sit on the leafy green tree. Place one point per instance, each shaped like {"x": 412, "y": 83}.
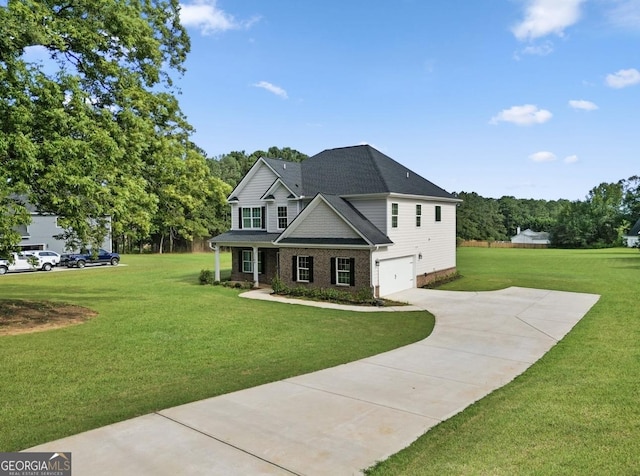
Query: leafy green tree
{"x": 231, "y": 167}
{"x": 479, "y": 218}
{"x": 77, "y": 141}
{"x": 594, "y": 222}
{"x": 631, "y": 199}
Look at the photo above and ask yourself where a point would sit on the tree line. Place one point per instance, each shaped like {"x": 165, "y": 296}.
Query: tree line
{"x": 94, "y": 133}
{"x": 607, "y": 212}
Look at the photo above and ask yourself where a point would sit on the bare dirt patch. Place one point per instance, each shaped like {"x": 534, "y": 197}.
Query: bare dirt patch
{"x": 19, "y": 317}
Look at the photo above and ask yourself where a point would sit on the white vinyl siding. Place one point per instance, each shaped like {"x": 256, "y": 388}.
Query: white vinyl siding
{"x": 375, "y": 210}
{"x": 323, "y": 222}
{"x": 434, "y": 240}
{"x": 252, "y": 191}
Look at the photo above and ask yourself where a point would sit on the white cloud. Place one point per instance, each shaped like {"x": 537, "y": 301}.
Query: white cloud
{"x": 582, "y": 104}
{"x": 272, "y": 88}
{"x": 545, "y": 17}
{"x": 625, "y": 15}
{"x": 572, "y": 159}
{"x": 543, "y": 156}
{"x": 543, "y": 49}
{"x": 209, "y": 19}
{"x": 522, "y": 115}
{"x": 623, "y": 78}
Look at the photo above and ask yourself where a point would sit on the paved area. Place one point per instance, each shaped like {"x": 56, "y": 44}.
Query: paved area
{"x": 341, "y": 420}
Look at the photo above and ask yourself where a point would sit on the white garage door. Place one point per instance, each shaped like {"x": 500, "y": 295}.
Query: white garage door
{"x": 396, "y": 275}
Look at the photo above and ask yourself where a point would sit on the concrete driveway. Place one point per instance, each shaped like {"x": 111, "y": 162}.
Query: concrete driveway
{"x": 341, "y": 420}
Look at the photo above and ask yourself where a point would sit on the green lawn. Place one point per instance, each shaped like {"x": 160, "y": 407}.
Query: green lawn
{"x": 577, "y": 410}
{"x": 160, "y": 339}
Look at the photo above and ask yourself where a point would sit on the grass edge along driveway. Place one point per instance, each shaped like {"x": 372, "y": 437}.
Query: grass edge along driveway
{"x": 160, "y": 340}
{"x": 576, "y": 410}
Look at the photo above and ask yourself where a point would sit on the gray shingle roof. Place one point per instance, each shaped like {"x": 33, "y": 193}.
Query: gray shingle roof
{"x": 358, "y": 220}
{"x": 362, "y": 170}
{"x": 635, "y": 230}
{"x": 244, "y": 236}
{"x": 290, "y": 173}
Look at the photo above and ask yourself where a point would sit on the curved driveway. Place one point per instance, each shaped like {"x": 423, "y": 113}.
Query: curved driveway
{"x": 343, "y": 419}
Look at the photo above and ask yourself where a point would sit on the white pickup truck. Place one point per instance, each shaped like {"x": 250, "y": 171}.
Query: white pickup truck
{"x": 24, "y": 262}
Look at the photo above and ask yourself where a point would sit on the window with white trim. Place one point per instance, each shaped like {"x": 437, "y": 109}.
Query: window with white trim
{"x": 304, "y": 266}
{"x": 418, "y": 215}
{"x": 252, "y": 217}
{"x": 438, "y": 213}
{"x": 343, "y": 271}
{"x": 394, "y": 215}
{"x": 282, "y": 218}
{"x": 247, "y": 261}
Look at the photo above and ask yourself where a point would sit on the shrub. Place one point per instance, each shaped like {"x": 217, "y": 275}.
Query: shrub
{"x": 206, "y": 277}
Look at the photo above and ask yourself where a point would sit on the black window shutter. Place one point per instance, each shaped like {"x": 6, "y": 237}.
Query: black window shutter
{"x": 239, "y": 218}
{"x": 333, "y": 270}
{"x": 261, "y": 263}
{"x": 263, "y": 218}
{"x": 352, "y": 271}
{"x": 311, "y": 269}
{"x": 240, "y": 268}
{"x": 294, "y": 268}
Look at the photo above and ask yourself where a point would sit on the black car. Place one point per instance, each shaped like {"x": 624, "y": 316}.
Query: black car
{"x": 86, "y": 257}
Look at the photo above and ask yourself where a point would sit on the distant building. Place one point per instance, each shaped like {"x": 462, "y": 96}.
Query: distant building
{"x": 531, "y": 237}
{"x": 633, "y": 237}
{"x": 41, "y": 233}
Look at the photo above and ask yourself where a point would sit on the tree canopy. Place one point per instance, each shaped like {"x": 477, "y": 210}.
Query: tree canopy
{"x": 85, "y": 134}
{"x": 233, "y": 166}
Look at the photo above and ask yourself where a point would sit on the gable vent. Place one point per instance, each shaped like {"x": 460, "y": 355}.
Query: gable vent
{"x": 407, "y": 174}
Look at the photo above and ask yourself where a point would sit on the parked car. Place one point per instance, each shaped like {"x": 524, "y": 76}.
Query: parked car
{"x": 23, "y": 262}
{"x": 46, "y": 256}
{"x": 85, "y": 257}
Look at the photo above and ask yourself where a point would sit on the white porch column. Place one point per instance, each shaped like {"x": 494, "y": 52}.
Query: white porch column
{"x": 255, "y": 266}
{"x": 216, "y": 250}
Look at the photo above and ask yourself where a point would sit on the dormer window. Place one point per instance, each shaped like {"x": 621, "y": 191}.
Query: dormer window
{"x": 282, "y": 218}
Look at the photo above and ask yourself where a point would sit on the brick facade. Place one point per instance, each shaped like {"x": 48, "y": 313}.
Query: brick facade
{"x": 322, "y": 267}
{"x": 426, "y": 278}
{"x": 270, "y": 265}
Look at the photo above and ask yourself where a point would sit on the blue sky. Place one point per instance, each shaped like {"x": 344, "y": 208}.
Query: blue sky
{"x": 530, "y": 98}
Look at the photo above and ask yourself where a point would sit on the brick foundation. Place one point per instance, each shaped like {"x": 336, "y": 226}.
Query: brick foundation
{"x": 426, "y": 278}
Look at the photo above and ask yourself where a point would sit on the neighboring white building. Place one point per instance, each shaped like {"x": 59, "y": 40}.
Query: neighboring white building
{"x": 41, "y": 233}
{"x": 531, "y": 237}
{"x": 633, "y": 237}
{"x": 348, "y": 218}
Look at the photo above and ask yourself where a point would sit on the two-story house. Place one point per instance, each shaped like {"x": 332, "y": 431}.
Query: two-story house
{"x": 42, "y": 232}
{"x": 348, "y": 218}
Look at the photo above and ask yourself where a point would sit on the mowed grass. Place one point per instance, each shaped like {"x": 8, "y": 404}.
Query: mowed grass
{"x": 160, "y": 339}
{"x": 577, "y": 410}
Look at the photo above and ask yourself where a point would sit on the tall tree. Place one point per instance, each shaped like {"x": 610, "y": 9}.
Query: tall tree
{"x": 77, "y": 131}
{"x": 594, "y": 222}
{"x": 479, "y": 218}
{"x": 233, "y": 166}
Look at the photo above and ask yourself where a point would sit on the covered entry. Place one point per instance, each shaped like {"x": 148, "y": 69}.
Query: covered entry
{"x": 396, "y": 274}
